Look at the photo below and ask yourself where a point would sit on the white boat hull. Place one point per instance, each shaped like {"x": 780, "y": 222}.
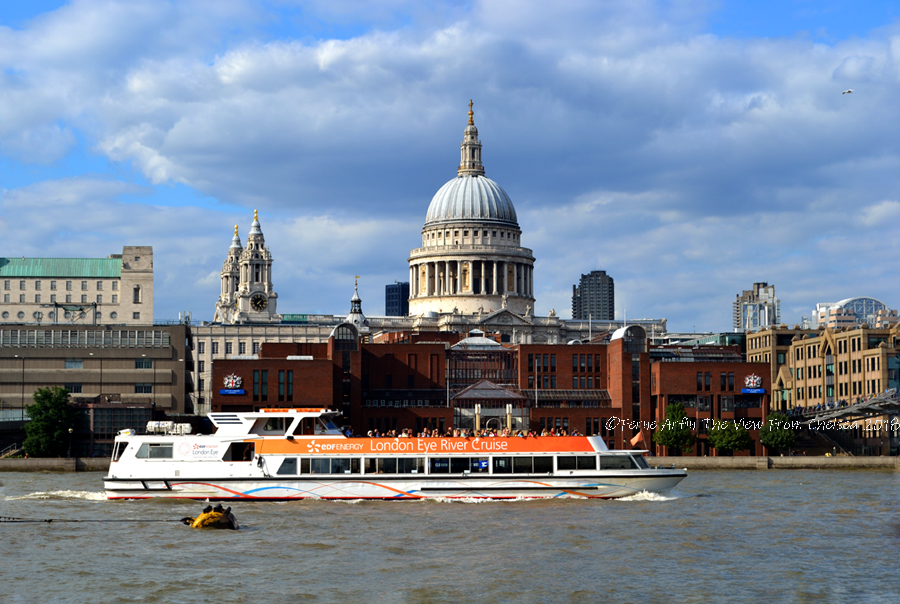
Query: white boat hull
{"x": 602, "y": 485}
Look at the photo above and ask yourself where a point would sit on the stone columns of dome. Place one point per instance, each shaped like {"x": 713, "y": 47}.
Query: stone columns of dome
{"x": 483, "y": 269}
{"x": 412, "y": 281}
{"x": 459, "y": 276}
{"x": 531, "y": 281}
{"x": 494, "y": 280}
{"x": 428, "y": 273}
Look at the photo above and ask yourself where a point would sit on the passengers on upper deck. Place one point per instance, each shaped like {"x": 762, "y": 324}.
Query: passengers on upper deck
{"x": 469, "y": 433}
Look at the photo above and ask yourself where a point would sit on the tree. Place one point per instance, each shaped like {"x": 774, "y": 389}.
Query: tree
{"x": 729, "y": 436}
{"x": 47, "y": 434}
{"x": 676, "y": 431}
{"x": 776, "y": 433}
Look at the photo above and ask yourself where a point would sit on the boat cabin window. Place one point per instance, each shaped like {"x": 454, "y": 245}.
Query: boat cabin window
{"x": 306, "y": 426}
{"x": 532, "y": 465}
{"x": 576, "y": 462}
{"x": 641, "y": 462}
{"x": 502, "y": 465}
{"x": 239, "y": 452}
{"x": 458, "y": 465}
{"x": 275, "y": 424}
{"x": 395, "y": 465}
{"x": 155, "y": 451}
{"x": 617, "y": 462}
{"x": 330, "y": 465}
{"x": 288, "y": 466}
{"x": 120, "y": 448}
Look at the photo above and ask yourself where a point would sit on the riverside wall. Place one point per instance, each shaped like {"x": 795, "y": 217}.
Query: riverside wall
{"x": 53, "y": 464}
{"x": 777, "y": 463}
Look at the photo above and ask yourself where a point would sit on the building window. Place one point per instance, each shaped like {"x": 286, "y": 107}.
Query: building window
{"x": 242, "y": 347}
{"x": 21, "y": 285}
{"x": 215, "y": 348}
{"x": 201, "y": 347}
{"x": 201, "y": 366}
{"x": 721, "y": 381}
{"x": 731, "y": 381}
{"x": 552, "y": 363}
{"x": 53, "y": 286}
{"x": 290, "y": 385}
{"x": 84, "y": 286}
{"x": 73, "y": 388}
{"x": 136, "y": 294}
{"x": 68, "y": 298}
{"x": 21, "y": 315}
{"x": 6, "y": 298}
{"x": 280, "y": 385}
{"x": 37, "y": 286}
{"x": 99, "y": 286}
{"x": 22, "y": 298}
{"x": 6, "y": 284}
{"x": 5, "y": 314}
{"x": 115, "y": 286}
{"x": 255, "y": 347}
{"x": 84, "y": 298}
{"x": 99, "y": 298}
{"x": 135, "y": 316}
{"x": 74, "y": 364}
{"x": 115, "y": 299}
{"x": 228, "y": 347}
{"x": 699, "y": 380}
{"x": 52, "y": 298}
{"x": 200, "y": 384}
{"x": 143, "y": 388}
{"x": 708, "y": 380}
{"x": 143, "y": 363}
{"x": 68, "y": 286}
{"x": 113, "y": 315}
{"x": 37, "y": 298}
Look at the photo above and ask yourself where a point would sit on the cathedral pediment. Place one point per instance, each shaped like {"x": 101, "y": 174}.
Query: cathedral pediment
{"x": 503, "y": 317}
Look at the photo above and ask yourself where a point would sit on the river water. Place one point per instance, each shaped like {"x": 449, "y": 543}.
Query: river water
{"x": 751, "y": 536}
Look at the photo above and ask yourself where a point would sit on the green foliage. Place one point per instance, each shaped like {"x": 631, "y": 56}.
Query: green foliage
{"x": 776, "y": 433}
{"x": 47, "y": 434}
{"x": 728, "y": 435}
{"x": 676, "y": 431}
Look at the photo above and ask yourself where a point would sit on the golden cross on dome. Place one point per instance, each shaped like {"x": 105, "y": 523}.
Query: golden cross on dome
{"x": 255, "y": 216}
{"x": 471, "y": 113}
{"x": 235, "y": 230}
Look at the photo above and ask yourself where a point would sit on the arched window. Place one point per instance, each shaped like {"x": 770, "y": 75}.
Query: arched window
{"x": 346, "y": 338}
{"x": 137, "y": 294}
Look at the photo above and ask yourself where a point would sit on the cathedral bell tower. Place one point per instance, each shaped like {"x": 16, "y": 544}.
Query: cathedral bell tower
{"x": 247, "y": 295}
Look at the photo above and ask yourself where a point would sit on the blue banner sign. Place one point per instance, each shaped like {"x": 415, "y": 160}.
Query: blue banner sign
{"x": 231, "y": 391}
{"x": 753, "y": 390}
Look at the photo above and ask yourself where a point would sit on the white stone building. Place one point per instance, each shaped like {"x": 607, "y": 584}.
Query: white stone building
{"x": 117, "y": 290}
{"x": 471, "y": 259}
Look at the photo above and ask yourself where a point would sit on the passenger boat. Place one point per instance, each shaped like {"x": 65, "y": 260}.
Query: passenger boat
{"x": 282, "y": 454}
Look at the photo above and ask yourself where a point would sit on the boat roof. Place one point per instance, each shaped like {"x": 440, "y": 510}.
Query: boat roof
{"x": 241, "y": 422}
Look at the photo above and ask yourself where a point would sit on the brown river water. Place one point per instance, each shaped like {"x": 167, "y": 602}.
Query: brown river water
{"x": 751, "y": 536}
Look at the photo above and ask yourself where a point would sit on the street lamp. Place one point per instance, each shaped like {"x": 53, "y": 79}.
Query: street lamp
{"x": 69, "y": 452}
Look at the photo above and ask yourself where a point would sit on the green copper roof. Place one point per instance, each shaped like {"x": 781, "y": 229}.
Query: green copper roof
{"x": 60, "y": 267}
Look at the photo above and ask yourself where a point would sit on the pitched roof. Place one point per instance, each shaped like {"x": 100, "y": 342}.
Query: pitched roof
{"x": 60, "y": 267}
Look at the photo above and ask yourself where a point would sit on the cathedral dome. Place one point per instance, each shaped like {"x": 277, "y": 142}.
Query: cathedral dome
{"x": 471, "y": 197}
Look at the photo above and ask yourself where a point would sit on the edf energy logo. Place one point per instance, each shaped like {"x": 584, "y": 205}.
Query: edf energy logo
{"x": 313, "y": 447}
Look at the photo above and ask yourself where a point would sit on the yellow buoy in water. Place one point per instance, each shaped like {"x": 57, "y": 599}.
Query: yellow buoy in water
{"x": 218, "y": 518}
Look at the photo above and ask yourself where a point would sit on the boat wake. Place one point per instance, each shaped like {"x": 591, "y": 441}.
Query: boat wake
{"x": 647, "y": 496}
{"x": 42, "y": 495}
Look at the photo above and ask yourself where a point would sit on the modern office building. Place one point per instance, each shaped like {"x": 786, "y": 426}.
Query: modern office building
{"x": 396, "y": 299}
{"x": 853, "y": 312}
{"x": 594, "y": 298}
{"x": 756, "y": 308}
{"x": 117, "y": 290}
{"x": 102, "y": 364}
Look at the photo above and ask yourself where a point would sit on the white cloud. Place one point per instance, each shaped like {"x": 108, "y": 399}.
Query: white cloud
{"x": 686, "y": 165}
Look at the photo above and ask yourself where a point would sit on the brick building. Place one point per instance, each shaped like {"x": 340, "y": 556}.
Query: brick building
{"x": 712, "y": 383}
{"x": 613, "y": 387}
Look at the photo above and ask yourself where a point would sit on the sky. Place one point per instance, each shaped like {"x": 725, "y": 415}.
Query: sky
{"x": 689, "y": 149}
